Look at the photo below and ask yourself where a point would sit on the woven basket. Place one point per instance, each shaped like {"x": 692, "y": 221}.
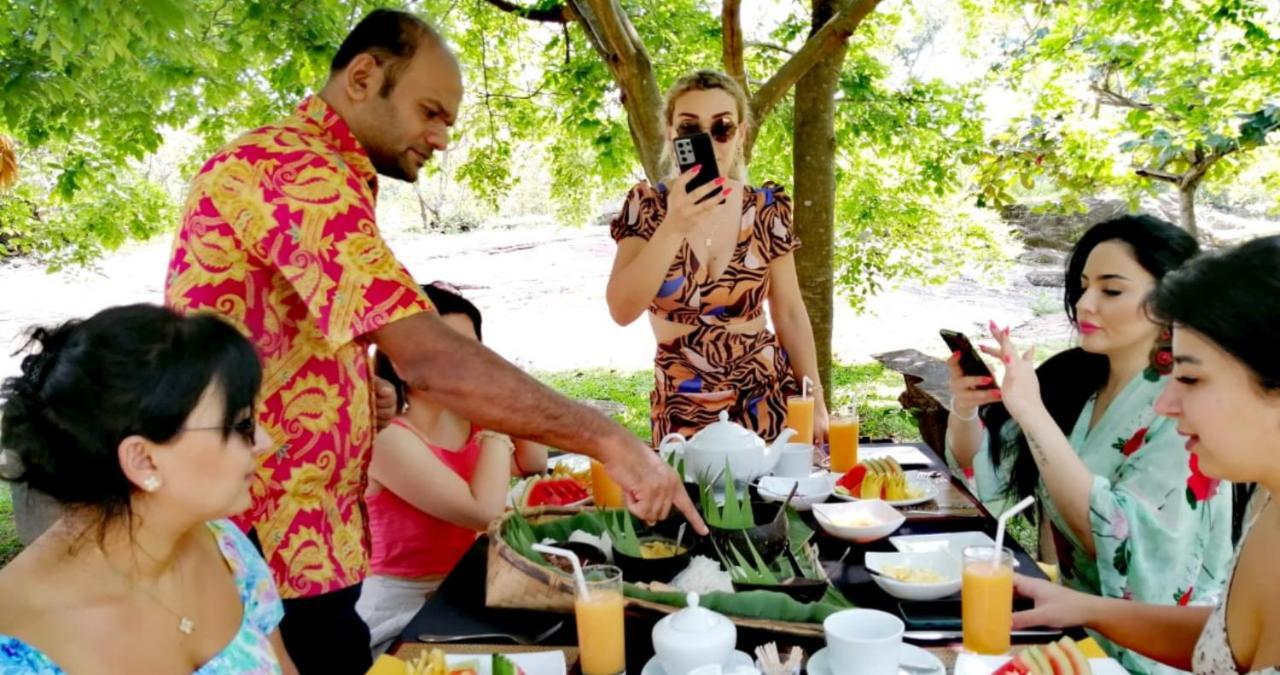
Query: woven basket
{"x": 514, "y": 581}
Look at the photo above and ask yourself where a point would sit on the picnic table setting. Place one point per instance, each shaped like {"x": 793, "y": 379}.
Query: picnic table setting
{"x": 869, "y": 557}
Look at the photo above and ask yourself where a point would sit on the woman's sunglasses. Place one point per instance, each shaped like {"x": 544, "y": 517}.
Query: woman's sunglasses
{"x": 721, "y": 130}
{"x": 247, "y": 428}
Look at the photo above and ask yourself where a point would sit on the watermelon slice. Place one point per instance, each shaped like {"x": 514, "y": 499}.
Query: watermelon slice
{"x": 1013, "y": 666}
{"x": 1037, "y": 661}
{"x": 1079, "y": 661}
{"x": 548, "y": 491}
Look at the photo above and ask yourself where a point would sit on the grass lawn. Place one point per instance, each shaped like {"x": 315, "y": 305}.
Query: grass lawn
{"x": 874, "y": 387}
{"x": 9, "y": 545}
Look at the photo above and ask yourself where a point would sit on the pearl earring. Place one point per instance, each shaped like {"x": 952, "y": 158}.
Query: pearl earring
{"x": 151, "y": 484}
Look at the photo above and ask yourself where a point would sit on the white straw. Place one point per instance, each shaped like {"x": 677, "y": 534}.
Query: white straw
{"x": 1004, "y": 518}
{"x": 573, "y": 560}
{"x": 806, "y": 385}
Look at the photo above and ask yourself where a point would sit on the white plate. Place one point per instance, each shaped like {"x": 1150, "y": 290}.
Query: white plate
{"x": 915, "y": 480}
{"x": 813, "y": 490}
{"x": 738, "y": 660}
{"x": 953, "y": 542}
{"x": 532, "y": 663}
{"x": 905, "y": 454}
{"x": 910, "y": 655}
{"x": 974, "y": 664}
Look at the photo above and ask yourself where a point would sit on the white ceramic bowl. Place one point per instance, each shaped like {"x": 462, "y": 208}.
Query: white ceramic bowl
{"x": 862, "y": 521}
{"x": 813, "y": 490}
{"x": 941, "y": 563}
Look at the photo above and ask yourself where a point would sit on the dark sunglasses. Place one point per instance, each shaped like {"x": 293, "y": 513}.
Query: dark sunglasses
{"x": 247, "y": 428}
{"x": 721, "y": 130}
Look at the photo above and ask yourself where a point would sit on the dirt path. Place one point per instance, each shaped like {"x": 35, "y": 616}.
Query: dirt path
{"x": 542, "y": 293}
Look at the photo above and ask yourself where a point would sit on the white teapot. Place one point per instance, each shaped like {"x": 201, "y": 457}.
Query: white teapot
{"x": 705, "y": 454}
{"x": 692, "y": 637}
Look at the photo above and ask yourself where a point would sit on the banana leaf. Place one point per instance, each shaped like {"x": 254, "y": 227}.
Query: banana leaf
{"x": 751, "y": 604}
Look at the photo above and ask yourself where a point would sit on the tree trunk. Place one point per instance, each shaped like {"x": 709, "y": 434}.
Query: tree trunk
{"x": 1187, "y": 208}
{"x": 813, "y": 161}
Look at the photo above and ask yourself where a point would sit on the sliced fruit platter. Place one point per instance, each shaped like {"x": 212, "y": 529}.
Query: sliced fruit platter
{"x": 1064, "y": 657}
{"x": 548, "y": 490}
{"x": 884, "y": 479}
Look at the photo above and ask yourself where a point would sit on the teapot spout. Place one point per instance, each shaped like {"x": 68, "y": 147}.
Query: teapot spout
{"x": 784, "y": 437}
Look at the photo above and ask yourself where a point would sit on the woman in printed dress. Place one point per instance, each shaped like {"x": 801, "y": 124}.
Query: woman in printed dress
{"x": 1225, "y": 400}
{"x": 704, "y": 271}
{"x": 140, "y": 422}
{"x": 1124, "y": 510}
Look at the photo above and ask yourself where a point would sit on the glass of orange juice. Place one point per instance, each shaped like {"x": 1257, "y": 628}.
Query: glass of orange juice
{"x": 601, "y": 641}
{"x": 800, "y": 418}
{"x": 842, "y": 440}
{"x": 606, "y": 493}
{"x": 986, "y": 599}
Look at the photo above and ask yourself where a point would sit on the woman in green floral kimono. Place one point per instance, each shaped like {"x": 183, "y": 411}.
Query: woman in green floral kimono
{"x": 1124, "y": 509}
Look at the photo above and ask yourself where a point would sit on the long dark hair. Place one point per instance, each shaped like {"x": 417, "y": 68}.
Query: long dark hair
{"x": 130, "y": 370}
{"x": 1070, "y": 378}
{"x": 447, "y": 300}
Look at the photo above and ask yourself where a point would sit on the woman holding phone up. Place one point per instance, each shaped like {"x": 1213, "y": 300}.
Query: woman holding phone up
{"x": 703, "y": 263}
{"x": 1124, "y": 510}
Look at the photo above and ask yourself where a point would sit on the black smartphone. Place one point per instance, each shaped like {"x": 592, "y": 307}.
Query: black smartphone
{"x": 942, "y": 614}
{"x": 693, "y": 150}
{"x": 970, "y": 363}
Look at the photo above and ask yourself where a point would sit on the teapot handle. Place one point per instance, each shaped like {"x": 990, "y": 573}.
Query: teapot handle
{"x": 672, "y": 443}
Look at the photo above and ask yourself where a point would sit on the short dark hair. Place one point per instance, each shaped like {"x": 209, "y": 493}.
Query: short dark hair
{"x": 129, "y": 370}
{"x": 1232, "y": 298}
{"x": 447, "y": 301}
{"x": 391, "y": 36}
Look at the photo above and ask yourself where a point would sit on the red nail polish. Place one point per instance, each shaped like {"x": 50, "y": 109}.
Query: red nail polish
{"x": 696, "y": 168}
{"x": 997, "y": 393}
{"x": 727, "y": 191}
{"x": 719, "y": 181}
{"x": 987, "y": 380}
{"x": 1008, "y": 359}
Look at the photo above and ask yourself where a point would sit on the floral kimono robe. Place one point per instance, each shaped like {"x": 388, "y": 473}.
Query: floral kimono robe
{"x": 1161, "y": 529}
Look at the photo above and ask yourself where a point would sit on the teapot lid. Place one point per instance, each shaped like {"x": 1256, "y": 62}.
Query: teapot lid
{"x": 696, "y": 619}
{"x": 725, "y": 433}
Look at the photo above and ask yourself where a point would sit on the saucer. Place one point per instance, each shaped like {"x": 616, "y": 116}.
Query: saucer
{"x": 738, "y": 659}
{"x": 910, "y": 655}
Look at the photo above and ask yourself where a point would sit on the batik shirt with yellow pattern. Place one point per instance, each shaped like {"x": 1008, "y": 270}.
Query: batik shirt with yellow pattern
{"x": 278, "y": 237}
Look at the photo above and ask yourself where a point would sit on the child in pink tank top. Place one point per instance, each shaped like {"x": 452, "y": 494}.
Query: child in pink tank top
{"x": 435, "y": 482}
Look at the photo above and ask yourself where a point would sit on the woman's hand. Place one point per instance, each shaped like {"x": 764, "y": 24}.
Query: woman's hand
{"x": 1019, "y": 385}
{"x": 820, "y": 421}
{"x": 968, "y": 392}
{"x": 1056, "y": 606}
{"x": 686, "y": 209}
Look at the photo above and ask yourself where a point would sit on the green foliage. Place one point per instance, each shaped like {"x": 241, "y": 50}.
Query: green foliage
{"x": 9, "y": 544}
{"x": 1118, "y": 86}
{"x": 622, "y": 531}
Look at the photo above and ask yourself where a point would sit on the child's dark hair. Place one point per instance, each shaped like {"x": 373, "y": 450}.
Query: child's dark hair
{"x": 89, "y": 384}
{"x": 447, "y": 300}
{"x": 1070, "y": 378}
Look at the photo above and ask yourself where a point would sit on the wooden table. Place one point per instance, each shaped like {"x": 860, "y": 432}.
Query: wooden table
{"x": 458, "y": 606}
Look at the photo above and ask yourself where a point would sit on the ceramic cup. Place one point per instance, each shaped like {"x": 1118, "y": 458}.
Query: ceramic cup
{"x": 864, "y": 641}
{"x": 795, "y": 461}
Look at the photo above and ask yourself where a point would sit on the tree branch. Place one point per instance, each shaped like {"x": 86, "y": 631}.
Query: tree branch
{"x": 1156, "y": 174}
{"x": 1115, "y": 99}
{"x": 770, "y": 46}
{"x": 833, "y": 35}
{"x": 557, "y": 14}
{"x": 731, "y": 28}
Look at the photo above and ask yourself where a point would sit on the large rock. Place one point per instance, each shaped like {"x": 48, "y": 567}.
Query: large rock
{"x": 1046, "y": 278}
{"x": 1058, "y": 231}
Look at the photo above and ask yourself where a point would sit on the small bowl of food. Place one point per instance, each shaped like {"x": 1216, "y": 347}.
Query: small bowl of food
{"x": 915, "y": 576}
{"x": 659, "y": 560}
{"x": 862, "y": 521}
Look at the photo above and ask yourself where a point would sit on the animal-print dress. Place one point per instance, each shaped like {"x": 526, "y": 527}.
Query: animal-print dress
{"x": 712, "y": 369}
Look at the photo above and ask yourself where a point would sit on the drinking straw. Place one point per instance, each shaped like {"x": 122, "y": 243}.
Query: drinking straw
{"x": 573, "y": 560}
{"x": 1004, "y": 518}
